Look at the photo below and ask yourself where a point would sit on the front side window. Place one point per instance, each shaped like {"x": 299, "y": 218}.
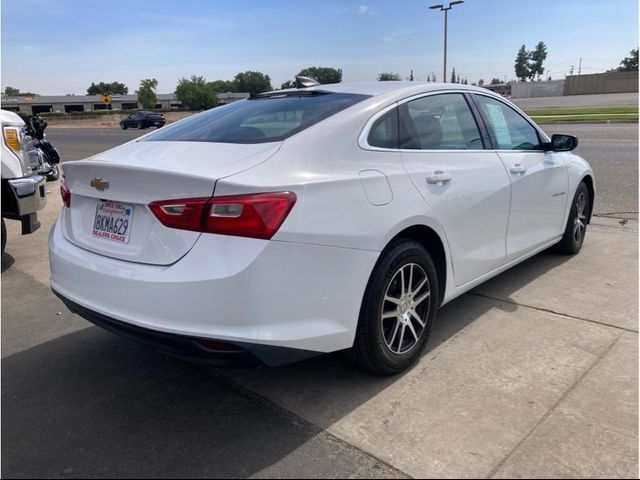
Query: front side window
{"x": 510, "y": 130}
{"x": 258, "y": 120}
{"x": 439, "y": 122}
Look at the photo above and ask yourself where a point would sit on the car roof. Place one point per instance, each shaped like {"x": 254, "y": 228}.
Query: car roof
{"x": 379, "y": 88}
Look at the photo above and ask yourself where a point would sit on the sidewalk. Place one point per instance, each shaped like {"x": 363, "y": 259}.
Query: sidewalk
{"x": 533, "y": 374}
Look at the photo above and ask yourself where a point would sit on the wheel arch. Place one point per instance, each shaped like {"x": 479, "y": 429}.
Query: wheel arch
{"x": 588, "y": 181}
{"x": 431, "y": 241}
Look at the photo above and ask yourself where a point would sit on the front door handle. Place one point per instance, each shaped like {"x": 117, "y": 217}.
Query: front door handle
{"x": 439, "y": 178}
{"x": 518, "y": 169}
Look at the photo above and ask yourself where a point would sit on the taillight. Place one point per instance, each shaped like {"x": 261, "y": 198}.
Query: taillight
{"x": 255, "y": 215}
{"x": 184, "y": 214}
{"x": 65, "y": 193}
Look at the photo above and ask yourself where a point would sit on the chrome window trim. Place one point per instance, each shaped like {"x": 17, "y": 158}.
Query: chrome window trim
{"x": 363, "y": 138}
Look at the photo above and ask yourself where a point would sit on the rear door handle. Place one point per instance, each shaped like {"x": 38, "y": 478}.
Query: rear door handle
{"x": 518, "y": 169}
{"x": 439, "y": 178}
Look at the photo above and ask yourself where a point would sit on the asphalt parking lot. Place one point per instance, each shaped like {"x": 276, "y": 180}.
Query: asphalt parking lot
{"x": 533, "y": 374}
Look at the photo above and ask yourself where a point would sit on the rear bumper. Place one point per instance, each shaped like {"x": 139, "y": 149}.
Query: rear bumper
{"x": 255, "y": 294}
{"x": 29, "y": 195}
{"x": 193, "y": 349}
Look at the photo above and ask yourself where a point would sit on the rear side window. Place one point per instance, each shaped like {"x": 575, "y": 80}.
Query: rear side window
{"x": 258, "y": 120}
{"x": 384, "y": 132}
{"x": 439, "y": 122}
{"x": 510, "y": 130}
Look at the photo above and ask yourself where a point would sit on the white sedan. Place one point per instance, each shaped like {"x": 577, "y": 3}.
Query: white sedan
{"x": 311, "y": 220}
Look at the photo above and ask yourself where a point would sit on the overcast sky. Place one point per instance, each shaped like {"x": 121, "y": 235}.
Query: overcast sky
{"x": 61, "y": 46}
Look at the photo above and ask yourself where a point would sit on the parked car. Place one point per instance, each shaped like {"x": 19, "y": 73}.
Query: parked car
{"x": 143, "y": 120}
{"x": 23, "y": 190}
{"x": 311, "y": 220}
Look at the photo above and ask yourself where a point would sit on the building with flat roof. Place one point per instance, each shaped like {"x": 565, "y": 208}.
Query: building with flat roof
{"x": 87, "y": 103}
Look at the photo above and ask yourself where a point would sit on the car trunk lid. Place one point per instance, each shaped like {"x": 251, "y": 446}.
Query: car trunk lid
{"x": 110, "y": 193}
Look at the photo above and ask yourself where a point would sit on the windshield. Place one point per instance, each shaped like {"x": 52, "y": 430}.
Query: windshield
{"x": 258, "y": 120}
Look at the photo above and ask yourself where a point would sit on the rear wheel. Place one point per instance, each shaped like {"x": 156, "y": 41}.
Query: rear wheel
{"x": 4, "y": 235}
{"x": 123, "y": 126}
{"x": 576, "y": 229}
{"x": 140, "y": 125}
{"x": 397, "y": 311}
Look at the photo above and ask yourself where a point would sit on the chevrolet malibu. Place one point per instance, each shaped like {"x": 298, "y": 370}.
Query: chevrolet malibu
{"x": 312, "y": 220}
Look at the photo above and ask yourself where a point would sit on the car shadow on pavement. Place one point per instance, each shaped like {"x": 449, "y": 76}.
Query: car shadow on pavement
{"x": 92, "y": 404}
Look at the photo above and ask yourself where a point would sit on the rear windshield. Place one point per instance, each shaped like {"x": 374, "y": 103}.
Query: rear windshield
{"x": 258, "y": 120}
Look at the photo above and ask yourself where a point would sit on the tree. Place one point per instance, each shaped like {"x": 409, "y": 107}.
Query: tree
{"x": 288, "y": 84}
{"x": 252, "y": 82}
{"x": 522, "y": 64}
{"x": 147, "y": 93}
{"x": 387, "y": 76}
{"x": 629, "y": 64}
{"x": 480, "y": 82}
{"x": 322, "y": 74}
{"x": 411, "y": 76}
{"x": 116, "y": 88}
{"x": 15, "y": 92}
{"x": 223, "y": 86}
{"x": 453, "y": 76}
{"x": 196, "y": 94}
{"x": 496, "y": 81}
{"x": 537, "y": 58}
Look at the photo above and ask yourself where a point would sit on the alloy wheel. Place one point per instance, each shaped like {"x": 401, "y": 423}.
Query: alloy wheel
{"x": 580, "y": 222}
{"x": 405, "y": 308}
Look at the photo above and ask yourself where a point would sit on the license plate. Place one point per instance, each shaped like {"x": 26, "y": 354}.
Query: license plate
{"x": 112, "y": 221}
{"x": 157, "y": 123}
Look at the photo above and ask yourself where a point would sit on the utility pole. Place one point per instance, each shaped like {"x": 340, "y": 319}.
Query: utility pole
{"x": 580, "y": 66}
{"x": 444, "y": 9}
{"x": 571, "y": 71}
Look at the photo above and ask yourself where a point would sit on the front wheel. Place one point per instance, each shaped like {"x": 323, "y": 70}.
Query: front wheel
{"x": 397, "y": 311}
{"x": 123, "y": 126}
{"x": 140, "y": 126}
{"x": 576, "y": 229}
{"x": 54, "y": 174}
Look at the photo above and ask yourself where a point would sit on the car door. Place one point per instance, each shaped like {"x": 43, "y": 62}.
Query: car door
{"x": 132, "y": 120}
{"x": 539, "y": 179}
{"x": 464, "y": 184}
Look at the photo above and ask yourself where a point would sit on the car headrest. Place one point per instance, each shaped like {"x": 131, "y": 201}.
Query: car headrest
{"x": 429, "y": 131}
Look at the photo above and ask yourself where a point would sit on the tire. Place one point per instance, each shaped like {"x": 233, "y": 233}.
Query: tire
{"x": 390, "y": 345}
{"x": 140, "y": 126}
{"x": 576, "y": 229}
{"x": 54, "y": 174}
{"x": 123, "y": 126}
{"x": 4, "y": 235}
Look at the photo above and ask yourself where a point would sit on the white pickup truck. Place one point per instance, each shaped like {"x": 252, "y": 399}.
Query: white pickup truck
{"x": 23, "y": 192}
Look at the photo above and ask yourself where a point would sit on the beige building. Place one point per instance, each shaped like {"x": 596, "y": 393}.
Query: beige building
{"x": 87, "y": 103}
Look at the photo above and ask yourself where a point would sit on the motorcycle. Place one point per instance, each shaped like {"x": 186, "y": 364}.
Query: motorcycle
{"x": 43, "y": 156}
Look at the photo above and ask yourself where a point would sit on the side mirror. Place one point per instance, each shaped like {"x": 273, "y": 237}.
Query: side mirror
{"x": 561, "y": 143}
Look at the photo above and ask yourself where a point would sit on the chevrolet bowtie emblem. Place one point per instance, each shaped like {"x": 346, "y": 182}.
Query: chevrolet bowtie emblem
{"x": 99, "y": 184}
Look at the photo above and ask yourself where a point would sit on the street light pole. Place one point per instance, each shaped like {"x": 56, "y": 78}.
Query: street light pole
{"x": 446, "y": 12}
